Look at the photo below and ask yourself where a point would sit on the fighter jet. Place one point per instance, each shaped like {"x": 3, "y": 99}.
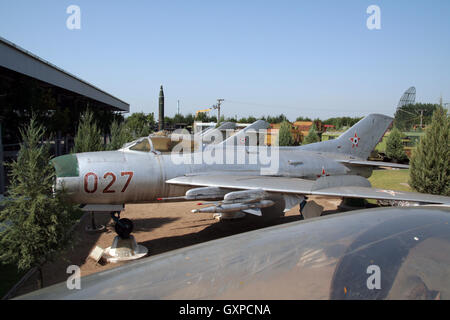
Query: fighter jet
{"x": 224, "y": 134}
{"x": 234, "y": 176}
{"x": 163, "y": 141}
{"x": 205, "y": 134}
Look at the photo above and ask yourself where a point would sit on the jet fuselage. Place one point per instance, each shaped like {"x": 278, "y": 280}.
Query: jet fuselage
{"x": 126, "y": 176}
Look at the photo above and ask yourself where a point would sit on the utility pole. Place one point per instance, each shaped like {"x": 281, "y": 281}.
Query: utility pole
{"x": 178, "y": 106}
{"x": 219, "y": 101}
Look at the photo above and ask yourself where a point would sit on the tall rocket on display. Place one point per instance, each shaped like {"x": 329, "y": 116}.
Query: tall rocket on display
{"x": 161, "y": 109}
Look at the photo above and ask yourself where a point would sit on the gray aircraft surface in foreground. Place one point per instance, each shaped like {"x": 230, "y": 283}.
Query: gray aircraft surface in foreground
{"x": 382, "y": 253}
{"x": 244, "y": 176}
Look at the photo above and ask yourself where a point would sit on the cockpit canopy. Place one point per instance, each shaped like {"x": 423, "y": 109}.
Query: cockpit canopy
{"x": 157, "y": 144}
{"x": 142, "y": 144}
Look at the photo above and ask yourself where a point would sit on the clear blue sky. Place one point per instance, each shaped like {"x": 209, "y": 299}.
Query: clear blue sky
{"x": 310, "y": 58}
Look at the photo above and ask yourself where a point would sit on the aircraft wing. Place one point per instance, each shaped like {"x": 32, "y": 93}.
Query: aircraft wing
{"x": 333, "y": 186}
{"x": 375, "y": 163}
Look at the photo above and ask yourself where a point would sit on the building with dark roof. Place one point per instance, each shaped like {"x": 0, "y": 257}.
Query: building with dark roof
{"x": 32, "y": 85}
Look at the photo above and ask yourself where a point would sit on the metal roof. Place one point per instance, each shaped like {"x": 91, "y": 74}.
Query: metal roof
{"x": 22, "y": 61}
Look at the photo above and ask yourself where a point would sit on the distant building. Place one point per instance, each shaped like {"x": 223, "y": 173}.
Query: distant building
{"x": 305, "y": 126}
{"x": 199, "y": 126}
{"x": 274, "y": 131}
{"x": 22, "y": 72}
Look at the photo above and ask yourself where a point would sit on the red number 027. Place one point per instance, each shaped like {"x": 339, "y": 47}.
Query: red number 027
{"x": 93, "y": 188}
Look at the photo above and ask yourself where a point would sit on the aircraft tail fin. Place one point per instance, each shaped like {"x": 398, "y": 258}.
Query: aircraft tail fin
{"x": 359, "y": 140}
{"x": 241, "y": 138}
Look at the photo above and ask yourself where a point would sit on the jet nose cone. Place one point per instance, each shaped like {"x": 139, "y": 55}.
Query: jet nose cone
{"x": 66, "y": 166}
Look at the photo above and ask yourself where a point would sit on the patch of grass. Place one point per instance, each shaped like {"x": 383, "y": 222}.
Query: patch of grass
{"x": 391, "y": 179}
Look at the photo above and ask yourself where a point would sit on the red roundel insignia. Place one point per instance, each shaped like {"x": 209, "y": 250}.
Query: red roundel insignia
{"x": 355, "y": 140}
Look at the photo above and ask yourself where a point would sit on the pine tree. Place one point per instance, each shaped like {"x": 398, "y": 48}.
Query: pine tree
{"x": 35, "y": 220}
{"x": 394, "y": 146}
{"x": 89, "y": 137}
{"x": 312, "y": 136}
{"x": 140, "y": 124}
{"x": 430, "y": 163}
{"x": 285, "y": 136}
{"x": 119, "y": 136}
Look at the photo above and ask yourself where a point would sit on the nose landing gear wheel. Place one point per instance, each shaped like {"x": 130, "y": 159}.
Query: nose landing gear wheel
{"x": 124, "y": 227}
{"x": 124, "y": 246}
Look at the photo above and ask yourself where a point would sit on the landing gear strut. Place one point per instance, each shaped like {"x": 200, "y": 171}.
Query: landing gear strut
{"x": 123, "y": 226}
{"x": 302, "y": 205}
{"x": 93, "y": 228}
{"x": 124, "y": 246}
